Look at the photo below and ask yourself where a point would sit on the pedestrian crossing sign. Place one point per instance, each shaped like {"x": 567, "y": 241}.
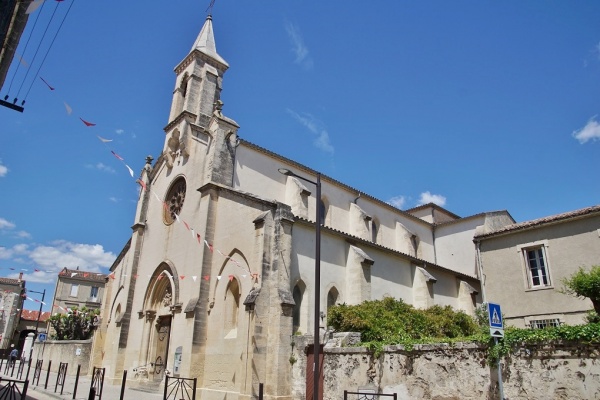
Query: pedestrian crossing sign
{"x": 495, "y": 315}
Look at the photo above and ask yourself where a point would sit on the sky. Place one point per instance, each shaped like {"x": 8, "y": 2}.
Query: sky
{"x": 473, "y": 105}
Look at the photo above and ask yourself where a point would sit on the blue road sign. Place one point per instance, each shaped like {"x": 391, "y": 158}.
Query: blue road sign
{"x": 42, "y": 336}
{"x": 495, "y": 315}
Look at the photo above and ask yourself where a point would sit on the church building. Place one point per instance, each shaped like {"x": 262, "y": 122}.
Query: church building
{"x": 219, "y": 272}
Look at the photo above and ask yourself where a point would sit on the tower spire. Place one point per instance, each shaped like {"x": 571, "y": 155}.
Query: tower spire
{"x": 205, "y": 42}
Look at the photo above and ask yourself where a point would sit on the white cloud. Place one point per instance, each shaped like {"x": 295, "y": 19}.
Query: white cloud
{"x": 120, "y": 131}
{"x": 113, "y": 199}
{"x": 591, "y": 131}
{"x": 427, "y": 197}
{"x": 316, "y": 127}
{"x": 101, "y": 167}
{"x": 397, "y": 201}
{"x": 20, "y": 248}
{"x": 298, "y": 47}
{"x": 3, "y": 170}
{"x": 4, "y": 224}
{"x": 23, "y": 235}
{"x": 5, "y": 253}
{"x": 63, "y": 254}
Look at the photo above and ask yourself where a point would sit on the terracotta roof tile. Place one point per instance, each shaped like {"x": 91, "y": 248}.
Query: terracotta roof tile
{"x": 82, "y": 275}
{"x": 31, "y": 315}
{"x": 552, "y": 219}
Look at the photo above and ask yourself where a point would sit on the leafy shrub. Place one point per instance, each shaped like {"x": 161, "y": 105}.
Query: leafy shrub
{"x": 592, "y": 317}
{"x": 75, "y": 325}
{"x": 584, "y": 284}
{"x": 391, "y": 321}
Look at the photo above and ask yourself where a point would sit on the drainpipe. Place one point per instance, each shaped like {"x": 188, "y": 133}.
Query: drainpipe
{"x": 480, "y": 271}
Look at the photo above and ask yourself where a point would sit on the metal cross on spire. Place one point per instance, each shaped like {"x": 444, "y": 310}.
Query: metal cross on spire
{"x": 210, "y": 7}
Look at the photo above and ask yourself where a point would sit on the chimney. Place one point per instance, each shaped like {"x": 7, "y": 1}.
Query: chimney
{"x": 20, "y": 276}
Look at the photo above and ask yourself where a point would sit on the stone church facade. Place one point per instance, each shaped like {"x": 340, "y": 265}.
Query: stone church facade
{"x": 219, "y": 272}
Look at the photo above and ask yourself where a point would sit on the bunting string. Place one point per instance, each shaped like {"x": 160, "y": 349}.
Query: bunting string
{"x": 106, "y": 141}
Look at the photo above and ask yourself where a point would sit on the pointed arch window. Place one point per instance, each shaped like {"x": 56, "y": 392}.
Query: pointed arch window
{"x": 323, "y": 210}
{"x": 184, "y": 84}
{"x": 232, "y": 308}
{"x": 299, "y": 313}
{"x": 332, "y": 297}
{"x": 374, "y": 230}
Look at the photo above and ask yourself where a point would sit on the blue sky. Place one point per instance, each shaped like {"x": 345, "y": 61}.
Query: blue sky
{"x": 475, "y": 105}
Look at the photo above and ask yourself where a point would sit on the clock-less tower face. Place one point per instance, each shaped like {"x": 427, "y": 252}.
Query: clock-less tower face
{"x": 174, "y": 200}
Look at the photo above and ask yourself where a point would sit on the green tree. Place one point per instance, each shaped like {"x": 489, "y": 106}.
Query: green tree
{"x": 78, "y": 324}
{"x": 584, "y": 284}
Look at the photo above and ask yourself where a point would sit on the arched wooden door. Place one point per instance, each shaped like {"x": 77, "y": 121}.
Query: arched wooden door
{"x": 161, "y": 347}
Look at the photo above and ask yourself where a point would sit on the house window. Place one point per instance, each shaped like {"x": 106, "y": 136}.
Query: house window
{"x": 537, "y": 267}
{"x": 74, "y": 290}
{"x": 544, "y": 323}
{"x": 94, "y": 292}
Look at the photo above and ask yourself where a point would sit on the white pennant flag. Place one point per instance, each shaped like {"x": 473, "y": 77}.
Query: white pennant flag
{"x": 34, "y": 6}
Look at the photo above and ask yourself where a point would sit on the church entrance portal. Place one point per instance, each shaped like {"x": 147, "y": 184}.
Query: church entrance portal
{"x": 161, "y": 347}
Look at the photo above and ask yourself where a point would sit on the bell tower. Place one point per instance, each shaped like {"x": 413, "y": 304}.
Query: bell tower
{"x": 196, "y": 121}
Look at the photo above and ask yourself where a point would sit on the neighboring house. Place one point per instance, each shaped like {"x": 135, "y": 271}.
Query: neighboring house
{"x": 11, "y": 303}
{"x": 219, "y": 272}
{"x": 75, "y": 288}
{"x": 523, "y": 265}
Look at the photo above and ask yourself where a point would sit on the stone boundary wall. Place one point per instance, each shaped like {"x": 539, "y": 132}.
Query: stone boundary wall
{"x": 443, "y": 372}
{"x": 74, "y": 352}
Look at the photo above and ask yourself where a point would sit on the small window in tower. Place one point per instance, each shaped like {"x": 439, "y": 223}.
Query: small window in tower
{"x": 183, "y": 85}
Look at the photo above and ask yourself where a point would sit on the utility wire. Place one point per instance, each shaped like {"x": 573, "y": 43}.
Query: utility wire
{"x": 26, "y": 44}
{"x": 48, "y": 51}
{"x": 38, "y": 47}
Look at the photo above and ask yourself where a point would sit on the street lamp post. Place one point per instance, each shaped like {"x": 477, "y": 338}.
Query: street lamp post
{"x": 37, "y": 323}
{"x": 316, "y": 333}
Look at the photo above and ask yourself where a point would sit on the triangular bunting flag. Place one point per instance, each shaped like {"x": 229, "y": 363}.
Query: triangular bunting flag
{"x": 103, "y": 140}
{"x": 33, "y": 6}
{"x": 87, "y": 123}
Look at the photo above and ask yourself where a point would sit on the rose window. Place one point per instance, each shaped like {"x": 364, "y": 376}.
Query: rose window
{"x": 174, "y": 201}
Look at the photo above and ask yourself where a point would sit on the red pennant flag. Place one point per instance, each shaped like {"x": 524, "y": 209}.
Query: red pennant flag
{"x": 112, "y": 276}
{"x": 230, "y": 278}
{"x": 85, "y": 274}
{"x": 186, "y": 225}
{"x": 199, "y": 238}
{"x": 47, "y": 84}
{"x": 116, "y": 155}
{"x": 142, "y": 183}
{"x": 181, "y": 277}
{"x": 87, "y": 123}
{"x": 159, "y": 277}
{"x": 206, "y": 277}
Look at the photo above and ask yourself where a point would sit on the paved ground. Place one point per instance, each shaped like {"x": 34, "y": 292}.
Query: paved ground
{"x": 46, "y": 387}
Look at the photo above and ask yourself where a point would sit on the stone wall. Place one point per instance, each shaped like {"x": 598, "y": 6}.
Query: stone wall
{"x": 73, "y": 352}
{"x": 443, "y": 372}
